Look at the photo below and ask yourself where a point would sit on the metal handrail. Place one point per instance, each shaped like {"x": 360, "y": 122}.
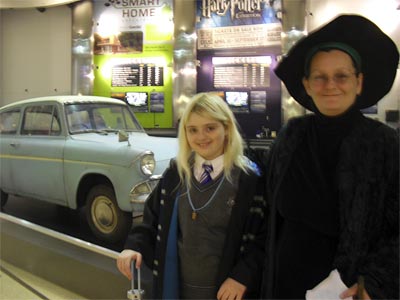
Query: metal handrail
{"x": 60, "y": 236}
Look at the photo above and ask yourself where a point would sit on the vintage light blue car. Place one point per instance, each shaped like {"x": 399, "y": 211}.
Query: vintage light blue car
{"x": 79, "y": 151}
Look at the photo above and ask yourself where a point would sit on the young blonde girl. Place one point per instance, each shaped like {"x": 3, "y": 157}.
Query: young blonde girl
{"x": 203, "y": 240}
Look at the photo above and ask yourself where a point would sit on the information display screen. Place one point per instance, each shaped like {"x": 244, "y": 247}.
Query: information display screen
{"x": 137, "y": 75}
{"x": 238, "y": 101}
{"x": 138, "y": 101}
{"x": 258, "y": 101}
{"x": 241, "y": 72}
{"x": 157, "y": 102}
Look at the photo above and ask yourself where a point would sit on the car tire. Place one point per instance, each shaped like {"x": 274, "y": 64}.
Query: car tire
{"x": 106, "y": 220}
{"x": 3, "y": 198}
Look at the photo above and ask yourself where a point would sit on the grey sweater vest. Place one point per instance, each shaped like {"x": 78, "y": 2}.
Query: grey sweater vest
{"x": 201, "y": 240}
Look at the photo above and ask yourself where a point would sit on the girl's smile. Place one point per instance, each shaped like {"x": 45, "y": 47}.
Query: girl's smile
{"x": 205, "y": 136}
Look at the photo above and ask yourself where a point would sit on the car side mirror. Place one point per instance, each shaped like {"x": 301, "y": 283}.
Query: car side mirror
{"x": 123, "y": 136}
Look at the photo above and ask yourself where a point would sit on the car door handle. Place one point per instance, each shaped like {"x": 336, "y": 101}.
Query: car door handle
{"x": 14, "y": 145}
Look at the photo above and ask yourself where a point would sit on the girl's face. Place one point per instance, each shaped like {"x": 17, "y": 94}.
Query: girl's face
{"x": 205, "y": 136}
{"x": 333, "y": 84}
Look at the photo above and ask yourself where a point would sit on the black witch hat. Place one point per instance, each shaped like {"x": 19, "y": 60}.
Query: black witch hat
{"x": 379, "y": 58}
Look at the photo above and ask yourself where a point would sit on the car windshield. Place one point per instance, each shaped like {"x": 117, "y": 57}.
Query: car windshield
{"x": 100, "y": 117}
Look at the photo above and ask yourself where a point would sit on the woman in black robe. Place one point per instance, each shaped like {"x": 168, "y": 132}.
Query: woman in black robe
{"x": 333, "y": 175}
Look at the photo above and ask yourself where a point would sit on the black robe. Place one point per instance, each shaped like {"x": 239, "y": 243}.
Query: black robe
{"x": 308, "y": 208}
{"x": 366, "y": 186}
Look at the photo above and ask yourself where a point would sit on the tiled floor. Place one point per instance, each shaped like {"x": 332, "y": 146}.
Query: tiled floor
{"x": 19, "y": 284}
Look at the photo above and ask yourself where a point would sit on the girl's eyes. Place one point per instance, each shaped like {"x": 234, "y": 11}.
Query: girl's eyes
{"x": 210, "y": 128}
{"x": 193, "y": 130}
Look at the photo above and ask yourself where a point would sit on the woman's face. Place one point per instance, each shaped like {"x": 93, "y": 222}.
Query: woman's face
{"x": 333, "y": 83}
{"x": 205, "y": 136}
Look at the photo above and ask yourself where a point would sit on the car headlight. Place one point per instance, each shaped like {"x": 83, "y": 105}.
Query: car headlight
{"x": 147, "y": 163}
{"x": 142, "y": 190}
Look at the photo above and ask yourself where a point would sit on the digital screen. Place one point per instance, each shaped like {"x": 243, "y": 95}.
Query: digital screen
{"x": 157, "y": 102}
{"x": 258, "y": 101}
{"x": 138, "y": 101}
{"x": 237, "y": 101}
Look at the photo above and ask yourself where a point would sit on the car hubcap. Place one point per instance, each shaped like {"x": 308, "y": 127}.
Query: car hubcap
{"x": 104, "y": 214}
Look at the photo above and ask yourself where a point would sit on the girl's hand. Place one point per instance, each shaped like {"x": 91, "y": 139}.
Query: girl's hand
{"x": 353, "y": 291}
{"x": 124, "y": 262}
{"x": 231, "y": 290}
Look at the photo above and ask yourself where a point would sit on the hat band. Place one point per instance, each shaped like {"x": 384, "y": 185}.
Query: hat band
{"x": 329, "y": 46}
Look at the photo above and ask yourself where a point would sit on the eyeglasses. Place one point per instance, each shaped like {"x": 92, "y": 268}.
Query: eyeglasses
{"x": 340, "y": 78}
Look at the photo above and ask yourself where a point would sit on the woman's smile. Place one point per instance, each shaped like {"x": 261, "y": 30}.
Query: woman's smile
{"x": 333, "y": 84}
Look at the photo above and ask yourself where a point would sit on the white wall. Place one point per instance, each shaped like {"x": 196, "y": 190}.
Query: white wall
{"x": 35, "y": 53}
{"x": 383, "y": 13}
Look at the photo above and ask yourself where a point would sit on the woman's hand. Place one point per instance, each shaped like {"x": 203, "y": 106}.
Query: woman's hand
{"x": 124, "y": 262}
{"x": 231, "y": 290}
{"x": 353, "y": 292}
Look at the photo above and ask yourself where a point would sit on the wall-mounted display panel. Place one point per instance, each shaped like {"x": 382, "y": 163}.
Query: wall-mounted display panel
{"x": 157, "y": 102}
{"x": 237, "y": 49}
{"x": 138, "y": 101}
{"x": 133, "y": 55}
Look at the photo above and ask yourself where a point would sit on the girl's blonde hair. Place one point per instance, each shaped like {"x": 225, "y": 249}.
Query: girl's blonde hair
{"x": 210, "y": 105}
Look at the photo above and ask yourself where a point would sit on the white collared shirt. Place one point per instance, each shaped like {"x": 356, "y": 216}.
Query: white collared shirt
{"x": 217, "y": 163}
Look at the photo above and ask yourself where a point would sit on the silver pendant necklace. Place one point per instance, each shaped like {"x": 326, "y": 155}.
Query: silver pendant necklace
{"x": 196, "y": 210}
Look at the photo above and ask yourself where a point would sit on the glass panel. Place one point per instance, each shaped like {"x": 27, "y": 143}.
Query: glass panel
{"x": 40, "y": 120}
{"x": 9, "y": 121}
{"x": 89, "y": 117}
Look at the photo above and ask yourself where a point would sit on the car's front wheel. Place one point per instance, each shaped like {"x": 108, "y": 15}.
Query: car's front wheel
{"x": 107, "y": 221}
{"x": 3, "y": 198}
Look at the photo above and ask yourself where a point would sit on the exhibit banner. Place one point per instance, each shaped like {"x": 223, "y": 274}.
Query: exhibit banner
{"x": 133, "y": 56}
{"x": 237, "y": 24}
{"x": 238, "y": 46}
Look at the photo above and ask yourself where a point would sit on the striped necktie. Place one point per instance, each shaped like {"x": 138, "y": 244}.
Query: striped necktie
{"x": 206, "y": 177}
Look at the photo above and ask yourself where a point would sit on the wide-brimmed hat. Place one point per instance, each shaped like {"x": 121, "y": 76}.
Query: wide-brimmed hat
{"x": 379, "y": 58}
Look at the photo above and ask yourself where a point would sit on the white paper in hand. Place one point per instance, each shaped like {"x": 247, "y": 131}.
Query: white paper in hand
{"x": 330, "y": 288}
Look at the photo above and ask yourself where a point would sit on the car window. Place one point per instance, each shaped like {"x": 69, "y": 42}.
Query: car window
{"x": 41, "y": 120}
{"x": 128, "y": 120}
{"x": 87, "y": 117}
{"x": 9, "y": 121}
{"x": 79, "y": 119}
